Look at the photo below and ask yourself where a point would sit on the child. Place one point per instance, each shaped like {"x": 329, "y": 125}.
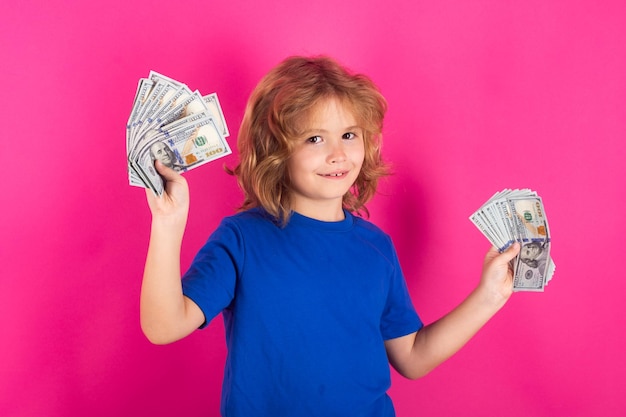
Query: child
{"x": 313, "y": 298}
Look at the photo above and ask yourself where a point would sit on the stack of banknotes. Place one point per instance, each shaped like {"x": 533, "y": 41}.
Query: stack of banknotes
{"x": 169, "y": 122}
{"x": 519, "y": 216}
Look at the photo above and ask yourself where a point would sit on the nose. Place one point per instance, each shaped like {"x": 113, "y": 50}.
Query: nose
{"x": 337, "y": 153}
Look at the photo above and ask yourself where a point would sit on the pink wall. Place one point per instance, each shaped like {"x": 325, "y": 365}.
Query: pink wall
{"x": 483, "y": 95}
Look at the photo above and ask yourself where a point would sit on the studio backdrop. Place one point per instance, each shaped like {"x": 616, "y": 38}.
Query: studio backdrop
{"x": 483, "y": 96}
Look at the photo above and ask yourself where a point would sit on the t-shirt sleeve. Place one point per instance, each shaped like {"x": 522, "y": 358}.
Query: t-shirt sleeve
{"x": 399, "y": 316}
{"x": 210, "y": 280}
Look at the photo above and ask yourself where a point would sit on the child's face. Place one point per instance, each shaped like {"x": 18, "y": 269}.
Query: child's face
{"x": 326, "y": 161}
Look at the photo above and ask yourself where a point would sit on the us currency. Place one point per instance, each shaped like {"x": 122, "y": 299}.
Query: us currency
{"x": 213, "y": 103}
{"x": 519, "y": 216}
{"x": 169, "y": 122}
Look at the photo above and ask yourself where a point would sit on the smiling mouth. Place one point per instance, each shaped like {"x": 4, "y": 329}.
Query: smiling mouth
{"x": 335, "y": 174}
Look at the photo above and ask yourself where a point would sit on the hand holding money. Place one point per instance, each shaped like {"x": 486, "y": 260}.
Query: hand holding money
{"x": 173, "y": 204}
{"x": 519, "y": 216}
{"x": 169, "y": 122}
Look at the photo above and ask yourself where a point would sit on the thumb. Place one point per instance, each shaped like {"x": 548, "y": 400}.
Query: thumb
{"x": 510, "y": 253}
{"x": 166, "y": 172}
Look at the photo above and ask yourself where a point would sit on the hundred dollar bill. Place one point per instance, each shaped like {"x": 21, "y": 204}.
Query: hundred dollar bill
{"x": 183, "y": 149}
{"x": 531, "y": 228}
{"x": 167, "y": 97}
{"x": 143, "y": 88}
{"x": 146, "y": 108}
{"x": 172, "y": 115}
{"x": 158, "y": 77}
{"x": 171, "y": 123}
{"x": 519, "y": 216}
{"x": 213, "y": 104}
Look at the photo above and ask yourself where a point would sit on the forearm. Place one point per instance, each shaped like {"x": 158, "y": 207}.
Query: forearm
{"x": 438, "y": 341}
{"x": 417, "y": 354}
{"x": 162, "y": 305}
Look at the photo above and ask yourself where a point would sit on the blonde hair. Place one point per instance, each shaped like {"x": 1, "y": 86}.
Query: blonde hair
{"x": 275, "y": 112}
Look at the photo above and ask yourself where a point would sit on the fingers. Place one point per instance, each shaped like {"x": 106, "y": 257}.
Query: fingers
{"x": 175, "y": 195}
{"x": 511, "y": 252}
{"x": 497, "y": 258}
{"x": 175, "y": 184}
{"x": 166, "y": 172}
{"x": 497, "y": 273}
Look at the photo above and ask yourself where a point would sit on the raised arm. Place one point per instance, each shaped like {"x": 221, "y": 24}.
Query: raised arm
{"x": 417, "y": 354}
{"x": 167, "y": 315}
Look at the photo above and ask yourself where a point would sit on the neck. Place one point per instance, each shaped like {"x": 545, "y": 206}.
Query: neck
{"x": 323, "y": 212}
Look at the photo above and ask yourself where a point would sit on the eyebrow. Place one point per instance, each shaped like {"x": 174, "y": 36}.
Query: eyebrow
{"x": 316, "y": 130}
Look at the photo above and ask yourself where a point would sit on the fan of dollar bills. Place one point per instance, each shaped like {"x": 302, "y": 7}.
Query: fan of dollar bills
{"x": 169, "y": 122}
{"x": 518, "y": 216}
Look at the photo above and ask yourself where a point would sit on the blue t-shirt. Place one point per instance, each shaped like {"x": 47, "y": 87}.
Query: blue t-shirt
{"x": 306, "y": 309}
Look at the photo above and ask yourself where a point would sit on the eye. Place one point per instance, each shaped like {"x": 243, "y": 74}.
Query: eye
{"x": 314, "y": 139}
{"x": 348, "y": 135}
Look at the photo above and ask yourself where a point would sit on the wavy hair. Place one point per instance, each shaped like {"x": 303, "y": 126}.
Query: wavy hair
{"x": 275, "y": 114}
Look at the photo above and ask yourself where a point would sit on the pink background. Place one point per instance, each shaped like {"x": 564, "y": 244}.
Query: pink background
{"x": 483, "y": 95}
